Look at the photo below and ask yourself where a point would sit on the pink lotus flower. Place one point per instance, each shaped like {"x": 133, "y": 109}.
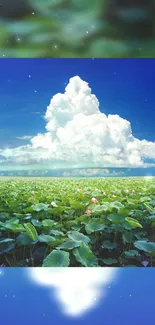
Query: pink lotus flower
{"x": 93, "y": 200}
{"x": 88, "y": 212}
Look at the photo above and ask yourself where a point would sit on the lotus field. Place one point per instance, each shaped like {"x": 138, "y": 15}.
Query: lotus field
{"x": 91, "y": 222}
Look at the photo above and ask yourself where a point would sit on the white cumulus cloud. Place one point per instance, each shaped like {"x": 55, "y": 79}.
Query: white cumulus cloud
{"x": 78, "y": 134}
{"x": 25, "y": 137}
{"x": 77, "y": 290}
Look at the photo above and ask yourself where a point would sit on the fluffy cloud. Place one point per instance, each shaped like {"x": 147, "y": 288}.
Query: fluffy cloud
{"x": 79, "y": 135}
{"x": 25, "y": 137}
{"x": 77, "y": 289}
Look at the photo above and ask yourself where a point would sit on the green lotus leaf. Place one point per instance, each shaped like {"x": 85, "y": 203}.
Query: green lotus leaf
{"x": 133, "y": 222}
{"x": 131, "y": 253}
{"x": 6, "y": 245}
{"x": 57, "y": 259}
{"x": 109, "y": 245}
{"x": 40, "y": 207}
{"x": 70, "y": 244}
{"x": 85, "y": 256}
{"x": 93, "y": 227}
{"x": 48, "y": 223}
{"x": 14, "y": 227}
{"x": 145, "y": 246}
{"x": 24, "y": 240}
{"x": 116, "y": 218}
{"x": 46, "y": 238}
{"x": 109, "y": 261}
{"x": 31, "y": 231}
{"x": 79, "y": 237}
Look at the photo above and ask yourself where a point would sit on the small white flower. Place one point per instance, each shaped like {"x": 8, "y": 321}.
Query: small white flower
{"x": 53, "y": 204}
{"x": 94, "y": 200}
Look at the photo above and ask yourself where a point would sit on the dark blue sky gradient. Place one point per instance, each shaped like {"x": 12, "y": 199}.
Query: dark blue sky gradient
{"x": 130, "y": 300}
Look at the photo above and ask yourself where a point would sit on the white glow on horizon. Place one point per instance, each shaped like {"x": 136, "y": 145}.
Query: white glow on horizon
{"x": 148, "y": 178}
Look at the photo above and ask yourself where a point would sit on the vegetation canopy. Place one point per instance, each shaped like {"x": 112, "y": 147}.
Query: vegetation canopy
{"x": 87, "y": 222}
{"x": 77, "y": 28}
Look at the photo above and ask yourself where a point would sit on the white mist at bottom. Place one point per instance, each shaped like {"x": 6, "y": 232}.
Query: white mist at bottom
{"x": 77, "y": 290}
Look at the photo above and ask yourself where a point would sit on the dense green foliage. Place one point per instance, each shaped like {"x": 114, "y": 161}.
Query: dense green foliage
{"x": 76, "y": 28}
{"x": 53, "y": 222}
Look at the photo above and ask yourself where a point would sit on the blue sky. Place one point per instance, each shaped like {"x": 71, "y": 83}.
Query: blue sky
{"x": 122, "y": 86}
{"x": 129, "y": 300}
